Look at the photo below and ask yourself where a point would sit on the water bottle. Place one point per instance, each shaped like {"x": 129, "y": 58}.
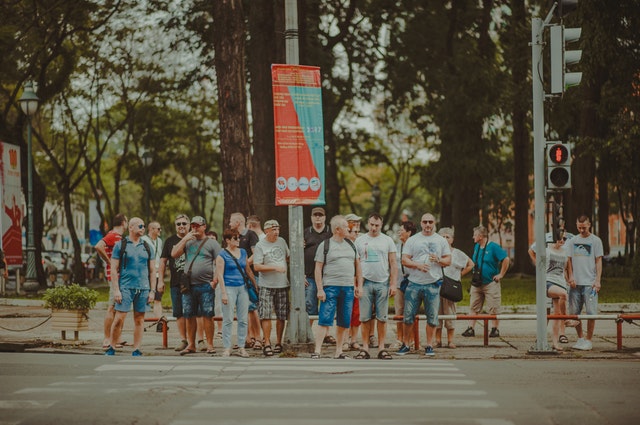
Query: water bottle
{"x": 592, "y": 295}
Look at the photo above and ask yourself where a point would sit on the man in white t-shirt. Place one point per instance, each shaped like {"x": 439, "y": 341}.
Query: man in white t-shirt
{"x": 379, "y": 271}
{"x": 585, "y": 271}
{"x": 424, "y": 255}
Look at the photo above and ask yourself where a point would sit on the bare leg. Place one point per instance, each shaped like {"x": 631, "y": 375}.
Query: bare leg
{"x": 340, "y": 337}
{"x": 209, "y": 330}
{"x": 279, "y": 331}
{"x": 191, "y": 325}
{"x": 365, "y": 330}
{"x": 266, "y": 331}
{"x": 382, "y": 334}
{"x": 431, "y": 332}
{"x": 320, "y": 334}
{"x": 182, "y": 328}
{"x": 108, "y": 321}
{"x": 138, "y": 329}
{"x": 116, "y": 326}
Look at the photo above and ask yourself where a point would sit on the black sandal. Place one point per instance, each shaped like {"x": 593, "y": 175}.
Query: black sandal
{"x": 363, "y": 355}
{"x": 277, "y": 349}
{"x": 267, "y": 351}
{"x": 384, "y": 355}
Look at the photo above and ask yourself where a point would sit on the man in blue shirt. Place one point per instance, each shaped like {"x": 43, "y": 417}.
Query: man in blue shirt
{"x": 131, "y": 284}
{"x": 492, "y": 263}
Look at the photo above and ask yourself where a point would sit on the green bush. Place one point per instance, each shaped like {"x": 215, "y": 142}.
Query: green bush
{"x": 71, "y": 297}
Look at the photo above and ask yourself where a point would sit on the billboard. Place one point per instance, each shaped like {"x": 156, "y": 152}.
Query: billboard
{"x": 299, "y": 135}
{"x": 11, "y": 196}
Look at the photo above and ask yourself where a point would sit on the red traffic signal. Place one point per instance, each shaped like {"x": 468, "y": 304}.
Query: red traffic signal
{"x": 558, "y": 154}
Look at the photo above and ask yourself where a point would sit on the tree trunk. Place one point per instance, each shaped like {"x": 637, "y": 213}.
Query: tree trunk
{"x": 521, "y": 137}
{"x": 603, "y": 212}
{"x": 235, "y": 147}
{"x": 266, "y": 47}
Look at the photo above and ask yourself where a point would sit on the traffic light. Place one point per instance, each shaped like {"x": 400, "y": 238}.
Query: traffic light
{"x": 558, "y": 166}
{"x": 561, "y": 57}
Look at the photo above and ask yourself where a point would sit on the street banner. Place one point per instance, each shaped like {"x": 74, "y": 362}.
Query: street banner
{"x": 299, "y": 135}
{"x": 11, "y": 196}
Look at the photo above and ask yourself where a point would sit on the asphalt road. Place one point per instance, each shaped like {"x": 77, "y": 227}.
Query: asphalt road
{"x": 92, "y": 389}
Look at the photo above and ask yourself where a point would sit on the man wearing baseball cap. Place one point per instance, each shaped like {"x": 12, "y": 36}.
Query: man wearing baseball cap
{"x": 313, "y": 236}
{"x": 270, "y": 259}
{"x": 200, "y": 255}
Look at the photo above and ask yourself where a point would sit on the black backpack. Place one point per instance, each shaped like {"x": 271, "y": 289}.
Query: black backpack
{"x": 123, "y": 258}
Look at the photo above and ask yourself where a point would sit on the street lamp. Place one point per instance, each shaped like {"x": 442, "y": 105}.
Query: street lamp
{"x": 147, "y": 160}
{"x": 29, "y": 104}
{"x": 375, "y": 195}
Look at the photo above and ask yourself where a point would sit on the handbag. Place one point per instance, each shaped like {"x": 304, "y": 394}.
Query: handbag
{"x": 185, "y": 278}
{"x": 450, "y": 289}
{"x": 251, "y": 290}
{"x": 404, "y": 283}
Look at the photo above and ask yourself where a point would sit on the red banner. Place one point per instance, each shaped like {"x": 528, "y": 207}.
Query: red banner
{"x": 299, "y": 135}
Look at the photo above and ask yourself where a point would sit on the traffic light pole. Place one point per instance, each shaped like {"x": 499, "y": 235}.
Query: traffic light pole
{"x": 537, "y": 43}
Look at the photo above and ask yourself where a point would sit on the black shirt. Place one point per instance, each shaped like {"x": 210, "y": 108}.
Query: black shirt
{"x": 311, "y": 241}
{"x": 176, "y": 265}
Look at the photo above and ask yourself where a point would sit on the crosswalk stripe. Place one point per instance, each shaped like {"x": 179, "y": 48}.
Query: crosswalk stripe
{"x": 348, "y": 403}
{"x": 26, "y": 404}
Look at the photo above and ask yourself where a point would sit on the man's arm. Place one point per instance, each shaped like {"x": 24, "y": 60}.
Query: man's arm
{"x": 318, "y": 275}
{"x": 503, "y": 270}
{"x": 598, "y": 273}
{"x": 393, "y": 273}
{"x": 115, "y": 269}
{"x": 101, "y": 249}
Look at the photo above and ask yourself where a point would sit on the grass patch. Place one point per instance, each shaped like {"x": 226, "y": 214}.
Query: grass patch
{"x": 515, "y": 291}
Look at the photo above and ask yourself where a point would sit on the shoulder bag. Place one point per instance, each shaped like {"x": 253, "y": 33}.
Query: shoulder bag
{"x": 251, "y": 290}
{"x": 404, "y": 283}
{"x": 451, "y": 289}
{"x": 185, "y": 278}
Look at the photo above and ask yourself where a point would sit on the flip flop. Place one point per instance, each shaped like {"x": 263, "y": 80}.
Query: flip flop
{"x": 267, "y": 351}
{"x": 211, "y": 351}
{"x": 187, "y": 351}
{"x": 342, "y": 356}
{"x": 257, "y": 345}
{"x": 563, "y": 339}
{"x": 363, "y": 355}
{"x": 121, "y": 344}
{"x": 384, "y": 355}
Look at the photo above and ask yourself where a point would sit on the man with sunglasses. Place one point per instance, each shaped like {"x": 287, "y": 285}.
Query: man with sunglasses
{"x": 200, "y": 256}
{"x": 424, "y": 256}
{"x": 176, "y": 267}
{"x": 132, "y": 286}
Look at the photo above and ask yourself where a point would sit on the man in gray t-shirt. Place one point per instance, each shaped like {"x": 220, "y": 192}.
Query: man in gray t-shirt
{"x": 337, "y": 272}
{"x": 200, "y": 252}
{"x": 270, "y": 259}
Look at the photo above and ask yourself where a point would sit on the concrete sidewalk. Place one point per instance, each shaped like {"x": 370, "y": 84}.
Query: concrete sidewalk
{"x": 25, "y": 326}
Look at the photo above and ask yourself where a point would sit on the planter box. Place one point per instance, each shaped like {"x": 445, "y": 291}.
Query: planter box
{"x": 69, "y": 320}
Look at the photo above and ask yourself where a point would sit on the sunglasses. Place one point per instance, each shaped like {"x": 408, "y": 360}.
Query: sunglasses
{"x": 196, "y": 225}
{"x": 427, "y": 221}
{"x": 140, "y": 226}
{"x": 182, "y": 223}
{"x": 235, "y": 238}
{"x": 318, "y": 215}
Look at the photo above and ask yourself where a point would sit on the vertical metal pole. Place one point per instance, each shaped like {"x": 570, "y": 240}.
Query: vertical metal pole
{"x": 31, "y": 282}
{"x": 539, "y": 192}
{"x": 298, "y": 328}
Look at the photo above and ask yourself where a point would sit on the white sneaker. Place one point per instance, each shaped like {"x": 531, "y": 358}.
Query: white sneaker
{"x": 583, "y": 344}
{"x": 579, "y": 344}
{"x": 226, "y": 353}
